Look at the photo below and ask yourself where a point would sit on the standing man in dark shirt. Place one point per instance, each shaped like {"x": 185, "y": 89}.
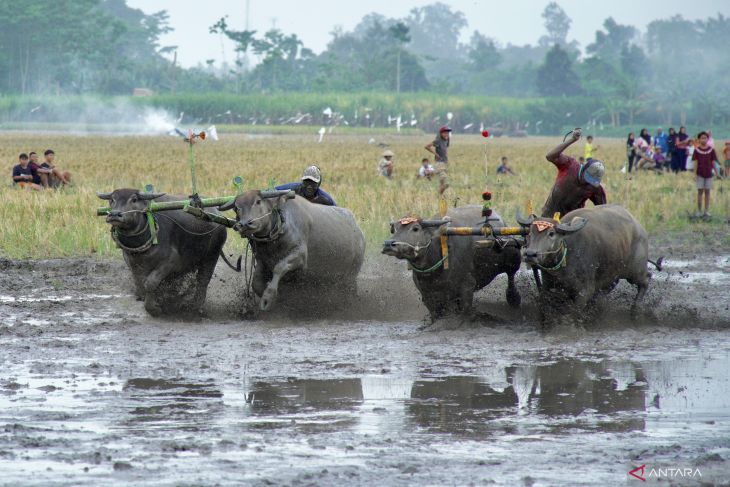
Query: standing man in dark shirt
{"x": 440, "y": 149}
{"x": 576, "y": 183}
{"x": 23, "y": 174}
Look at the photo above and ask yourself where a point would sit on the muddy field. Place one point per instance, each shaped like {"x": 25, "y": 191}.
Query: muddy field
{"x": 95, "y": 392}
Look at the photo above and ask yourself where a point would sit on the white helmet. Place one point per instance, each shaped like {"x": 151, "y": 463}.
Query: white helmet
{"x": 313, "y": 174}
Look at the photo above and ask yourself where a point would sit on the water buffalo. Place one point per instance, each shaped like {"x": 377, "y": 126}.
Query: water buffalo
{"x": 450, "y": 291}
{"x": 171, "y": 276}
{"x": 586, "y": 253}
{"x": 316, "y": 248}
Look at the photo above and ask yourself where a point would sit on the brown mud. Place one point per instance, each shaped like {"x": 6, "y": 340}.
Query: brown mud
{"x": 95, "y": 392}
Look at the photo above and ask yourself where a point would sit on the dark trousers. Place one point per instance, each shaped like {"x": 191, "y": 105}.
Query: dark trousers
{"x": 679, "y": 161}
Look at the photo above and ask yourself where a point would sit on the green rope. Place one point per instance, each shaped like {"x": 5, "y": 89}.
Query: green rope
{"x": 432, "y": 268}
{"x": 559, "y": 264}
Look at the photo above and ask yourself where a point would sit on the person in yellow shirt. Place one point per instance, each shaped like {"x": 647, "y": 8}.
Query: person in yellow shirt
{"x": 589, "y": 148}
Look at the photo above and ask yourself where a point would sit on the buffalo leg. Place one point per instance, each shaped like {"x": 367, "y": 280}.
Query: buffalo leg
{"x": 294, "y": 260}
{"x": 153, "y": 280}
{"x": 205, "y": 273}
{"x": 513, "y": 296}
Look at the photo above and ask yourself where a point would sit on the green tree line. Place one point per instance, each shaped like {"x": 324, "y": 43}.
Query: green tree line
{"x": 673, "y": 72}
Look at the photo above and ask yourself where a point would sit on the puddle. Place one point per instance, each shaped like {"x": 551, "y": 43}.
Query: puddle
{"x": 535, "y": 412}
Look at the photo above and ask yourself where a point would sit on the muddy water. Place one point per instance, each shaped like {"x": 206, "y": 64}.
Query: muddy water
{"x": 92, "y": 391}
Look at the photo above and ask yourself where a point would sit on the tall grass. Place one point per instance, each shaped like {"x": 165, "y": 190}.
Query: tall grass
{"x": 63, "y": 223}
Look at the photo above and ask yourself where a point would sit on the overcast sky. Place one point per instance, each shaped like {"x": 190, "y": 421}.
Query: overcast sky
{"x": 516, "y": 21}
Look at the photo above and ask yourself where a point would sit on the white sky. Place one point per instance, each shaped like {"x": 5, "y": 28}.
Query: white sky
{"x": 517, "y": 21}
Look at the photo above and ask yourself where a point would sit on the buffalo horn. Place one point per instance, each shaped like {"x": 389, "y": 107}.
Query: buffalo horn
{"x": 228, "y": 206}
{"x": 433, "y": 223}
{"x": 276, "y": 193}
{"x": 150, "y": 196}
{"x": 576, "y": 224}
{"x": 104, "y": 196}
{"x": 525, "y": 222}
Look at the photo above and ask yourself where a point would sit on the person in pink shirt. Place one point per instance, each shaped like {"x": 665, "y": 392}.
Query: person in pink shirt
{"x": 704, "y": 157}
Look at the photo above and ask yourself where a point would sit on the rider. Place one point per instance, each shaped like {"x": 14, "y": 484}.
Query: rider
{"x": 309, "y": 187}
{"x": 576, "y": 183}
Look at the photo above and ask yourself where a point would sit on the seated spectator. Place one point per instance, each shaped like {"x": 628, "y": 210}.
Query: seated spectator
{"x": 426, "y": 170}
{"x": 24, "y": 176}
{"x": 726, "y": 156}
{"x": 385, "y": 167}
{"x": 504, "y": 168}
{"x": 53, "y": 176}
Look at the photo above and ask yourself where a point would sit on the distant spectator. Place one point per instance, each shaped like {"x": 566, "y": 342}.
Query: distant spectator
{"x": 581, "y": 159}
{"x": 385, "y": 166}
{"x": 652, "y": 160}
{"x": 689, "y": 163}
{"x": 589, "y": 149}
{"x": 705, "y": 157}
{"x": 672, "y": 148}
{"x": 57, "y": 176}
{"x": 681, "y": 144}
{"x": 726, "y": 156}
{"x": 504, "y": 168}
{"x": 644, "y": 134}
{"x": 710, "y": 140}
{"x": 440, "y": 149}
{"x": 630, "y": 151}
{"x": 24, "y": 176}
{"x": 426, "y": 170}
{"x": 660, "y": 140}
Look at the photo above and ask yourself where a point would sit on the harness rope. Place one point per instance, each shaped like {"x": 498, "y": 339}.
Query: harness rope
{"x": 135, "y": 250}
{"x": 276, "y": 230}
{"x": 560, "y": 264}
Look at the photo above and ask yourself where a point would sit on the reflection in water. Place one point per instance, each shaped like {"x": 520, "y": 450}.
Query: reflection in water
{"x": 171, "y": 404}
{"x": 557, "y": 396}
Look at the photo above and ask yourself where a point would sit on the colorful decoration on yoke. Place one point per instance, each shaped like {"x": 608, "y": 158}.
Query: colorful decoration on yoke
{"x": 487, "y": 207}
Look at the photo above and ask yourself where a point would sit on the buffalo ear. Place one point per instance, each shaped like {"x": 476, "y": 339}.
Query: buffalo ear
{"x": 576, "y": 224}
{"x": 150, "y": 196}
{"x": 525, "y": 222}
{"x": 228, "y": 206}
{"x": 392, "y": 228}
{"x": 104, "y": 196}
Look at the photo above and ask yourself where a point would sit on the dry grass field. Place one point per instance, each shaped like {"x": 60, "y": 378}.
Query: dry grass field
{"x": 63, "y": 223}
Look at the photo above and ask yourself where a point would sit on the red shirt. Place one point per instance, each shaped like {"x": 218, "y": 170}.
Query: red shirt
{"x": 705, "y": 161}
{"x": 569, "y": 193}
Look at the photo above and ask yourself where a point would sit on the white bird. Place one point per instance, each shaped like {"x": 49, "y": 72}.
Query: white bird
{"x": 413, "y": 122}
{"x": 179, "y": 119}
{"x": 481, "y": 126}
{"x": 371, "y": 141}
{"x": 449, "y": 116}
{"x": 327, "y": 111}
{"x": 468, "y": 126}
{"x": 398, "y": 123}
{"x": 33, "y": 110}
{"x": 321, "y": 133}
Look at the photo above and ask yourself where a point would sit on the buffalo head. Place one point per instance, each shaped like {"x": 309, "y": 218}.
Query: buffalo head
{"x": 411, "y": 237}
{"x": 128, "y": 207}
{"x": 255, "y": 212}
{"x": 546, "y": 241}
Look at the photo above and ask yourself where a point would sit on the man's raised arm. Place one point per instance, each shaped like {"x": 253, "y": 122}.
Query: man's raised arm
{"x": 554, "y": 154}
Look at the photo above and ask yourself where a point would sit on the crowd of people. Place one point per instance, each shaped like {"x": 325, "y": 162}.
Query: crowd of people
{"x": 29, "y": 174}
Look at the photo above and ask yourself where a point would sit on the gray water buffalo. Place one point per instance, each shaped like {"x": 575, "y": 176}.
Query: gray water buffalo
{"x": 317, "y": 248}
{"x": 172, "y": 275}
{"x": 470, "y": 267}
{"x": 586, "y": 253}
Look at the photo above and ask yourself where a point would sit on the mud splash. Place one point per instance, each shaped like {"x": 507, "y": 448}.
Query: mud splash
{"x": 93, "y": 391}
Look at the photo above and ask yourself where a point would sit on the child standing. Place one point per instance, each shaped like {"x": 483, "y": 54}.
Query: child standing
{"x": 726, "y": 154}
{"x": 705, "y": 157}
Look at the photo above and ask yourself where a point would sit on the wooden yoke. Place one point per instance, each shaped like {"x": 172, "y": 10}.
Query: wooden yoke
{"x": 443, "y": 206}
